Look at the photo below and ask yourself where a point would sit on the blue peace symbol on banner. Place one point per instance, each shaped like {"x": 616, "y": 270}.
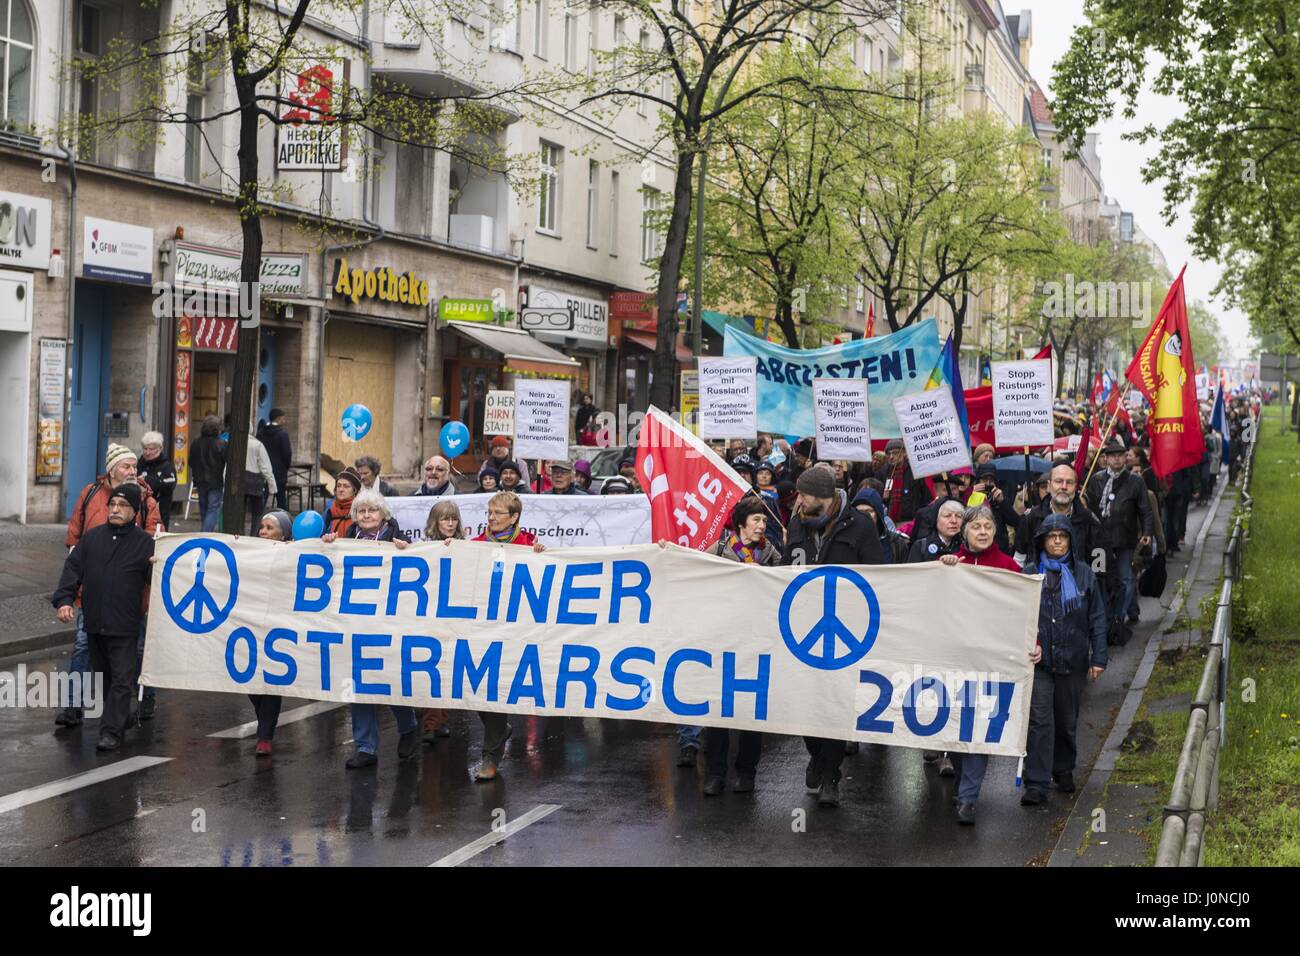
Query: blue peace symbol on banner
{"x": 818, "y": 647}
{"x": 196, "y": 611}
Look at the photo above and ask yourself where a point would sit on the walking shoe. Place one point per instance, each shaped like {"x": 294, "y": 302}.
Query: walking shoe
{"x": 443, "y": 732}
{"x": 1064, "y": 782}
{"x": 147, "y": 708}
{"x": 69, "y": 717}
{"x": 945, "y": 767}
{"x": 851, "y": 748}
{"x": 429, "y": 737}
{"x": 714, "y": 786}
{"x": 408, "y": 744}
{"x": 486, "y": 772}
{"x": 930, "y": 756}
{"x": 966, "y": 814}
{"x": 687, "y": 756}
{"x": 829, "y": 794}
{"x": 107, "y": 742}
{"x": 1032, "y": 797}
{"x": 744, "y": 783}
{"x": 361, "y": 759}
{"x": 263, "y": 748}
{"x": 812, "y": 778}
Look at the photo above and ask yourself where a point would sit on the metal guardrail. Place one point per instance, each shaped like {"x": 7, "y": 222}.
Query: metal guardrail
{"x": 1196, "y": 781}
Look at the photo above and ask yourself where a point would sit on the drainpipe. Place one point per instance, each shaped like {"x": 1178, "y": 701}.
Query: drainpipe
{"x": 71, "y": 266}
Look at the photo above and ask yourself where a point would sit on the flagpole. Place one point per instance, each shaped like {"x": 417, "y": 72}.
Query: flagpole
{"x": 1106, "y": 437}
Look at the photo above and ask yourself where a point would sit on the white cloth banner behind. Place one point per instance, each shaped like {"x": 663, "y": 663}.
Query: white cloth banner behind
{"x": 640, "y": 632}
{"x": 557, "y": 520}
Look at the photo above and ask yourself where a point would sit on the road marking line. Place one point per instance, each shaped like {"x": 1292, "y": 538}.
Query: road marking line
{"x": 286, "y": 717}
{"x": 471, "y": 850}
{"x": 121, "y": 768}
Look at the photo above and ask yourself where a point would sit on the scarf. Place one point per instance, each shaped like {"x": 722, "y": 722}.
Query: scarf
{"x": 1105, "y": 492}
{"x": 370, "y": 535}
{"x": 896, "y": 493}
{"x": 1070, "y": 596}
{"x": 748, "y": 554}
{"x": 504, "y": 537}
{"x": 340, "y": 516}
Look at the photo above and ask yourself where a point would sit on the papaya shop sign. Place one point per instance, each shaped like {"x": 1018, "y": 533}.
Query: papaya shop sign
{"x": 382, "y": 284}
{"x": 465, "y": 310}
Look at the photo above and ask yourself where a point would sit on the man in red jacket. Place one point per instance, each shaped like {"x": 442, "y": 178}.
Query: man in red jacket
{"x": 91, "y": 511}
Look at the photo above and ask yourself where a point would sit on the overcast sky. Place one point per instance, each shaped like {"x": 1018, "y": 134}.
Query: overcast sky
{"x": 1122, "y": 161}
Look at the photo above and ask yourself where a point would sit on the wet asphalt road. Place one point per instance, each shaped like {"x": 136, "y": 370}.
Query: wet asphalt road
{"x": 580, "y": 792}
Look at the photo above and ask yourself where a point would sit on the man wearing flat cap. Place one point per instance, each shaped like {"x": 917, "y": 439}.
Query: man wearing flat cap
{"x": 1119, "y": 499}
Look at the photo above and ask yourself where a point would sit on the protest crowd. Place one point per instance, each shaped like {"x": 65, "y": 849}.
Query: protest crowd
{"x": 1091, "y": 514}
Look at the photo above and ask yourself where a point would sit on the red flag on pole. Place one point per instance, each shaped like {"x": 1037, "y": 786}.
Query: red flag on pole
{"x": 1095, "y": 397}
{"x": 1164, "y": 370}
{"x": 691, "y": 489}
{"x": 871, "y": 319}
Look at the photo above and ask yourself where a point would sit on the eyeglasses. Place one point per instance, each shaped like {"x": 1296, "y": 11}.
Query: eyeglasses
{"x": 498, "y": 514}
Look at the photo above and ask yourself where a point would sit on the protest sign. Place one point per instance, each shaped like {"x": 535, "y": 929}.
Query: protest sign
{"x": 541, "y": 419}
{"x": 932, "y": 432}
{"x": 565, "y": 520}
{"x": 843, "y": 421}
{"x": 1022, "y": 403}
{"x": 499, "y": 413}
{"x": 845, "y": 653}
{"x": 728, "y": 398}
{"x": 892, "y": 365}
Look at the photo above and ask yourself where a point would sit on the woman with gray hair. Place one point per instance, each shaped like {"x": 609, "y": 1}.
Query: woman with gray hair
{"x": 372, "y": 520}
{"x": 157, "y": 472}
{"x": 368, "y": 467}
{"x": 946, "y": 538}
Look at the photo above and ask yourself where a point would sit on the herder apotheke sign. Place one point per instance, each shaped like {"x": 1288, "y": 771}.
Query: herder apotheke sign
{"x": 382, "y": 284}
{"x": 24, "y": 231}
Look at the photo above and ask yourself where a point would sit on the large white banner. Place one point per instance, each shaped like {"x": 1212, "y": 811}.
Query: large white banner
{"x": 642, "y": 632}
{"x": 843, "y": 421}
{"x": 728, "y": 397}
{"x": 932, "y": 433}
{"x": 1022, "y": 403}
{"x": 563, "y": 520}
{"x": 542, "y": 418}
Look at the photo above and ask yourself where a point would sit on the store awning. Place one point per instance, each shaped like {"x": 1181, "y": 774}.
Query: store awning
{"x": 522, "y": 352}
{"x": 647, "y": 341}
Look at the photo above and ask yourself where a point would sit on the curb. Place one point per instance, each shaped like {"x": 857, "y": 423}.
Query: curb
{"x": 1077, "y": 824}
{"x": 17, "y": 646}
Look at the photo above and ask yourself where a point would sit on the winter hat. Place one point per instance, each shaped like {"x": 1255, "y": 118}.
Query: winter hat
{"x": 284, "y": 521}
{"x": 617, "y": 485}
{"x": 501, "y": 441}
{"x": 988, "y": 468}
{"x": 129, "y": 492}
{"x": 816, "y": 482}
{"x": 510, "y": 464}
{"x": 743, "y": 463}
{"x": 115, "y": 454}
{"x": 895, "y": 443}
{"x": 804, "y": 447}
{"x": 982, "y": 447}
{"x": 582, "y": 467}
{"x": 353, "y": 477}
{"x": 490, "y": 469}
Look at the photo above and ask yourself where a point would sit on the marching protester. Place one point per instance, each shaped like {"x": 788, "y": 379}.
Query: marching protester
{"x": 275, "y": 526}
{"x": 904, "y": 495}
{"x": 207, "y": 462}
{"x": 279, "y": 449}
{"x": 1004, "y": 513}
{"x": 157, "y": 472}
{"x": 582, "y": 474}
{"x": 91, "y": 511}
{"x": 562, "y": 482}
{"x": 1119, "y": 499}
{"x": 259, "y": 481}
{"x": 893, "y": 546}
{"x": 511, "y": 478}
{"x": 505, "y": 510}
{"x": 338, "y": 513}
{"x": 825, "y": 530}
{"x": 1072, "y": 638}
{"x": 373, "y": 521}
{"x": 946, "y": 537}
{"x": 979, "y": 548}
{"x": 499, "y": 454}
{"x": 1178, "y": 497}
{"x": 437, "y": 479}
{"x": 369, "y": 467}
{"x": 1062, "y": 499}
{"x": 444, "y": 524}
{"x": 489, "y": 478}
{"x": 109, "y": 571}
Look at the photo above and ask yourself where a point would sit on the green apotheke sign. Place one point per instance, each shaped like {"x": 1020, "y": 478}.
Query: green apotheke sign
{"x": 466, "y": 310}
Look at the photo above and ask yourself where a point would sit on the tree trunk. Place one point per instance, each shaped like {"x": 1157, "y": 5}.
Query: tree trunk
{"x": 250, "y": 266}
{"x": 785, "y": 319}
{"x": 664, "y": 386}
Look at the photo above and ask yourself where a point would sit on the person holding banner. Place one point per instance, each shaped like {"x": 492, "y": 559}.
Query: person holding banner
{"x": 946, "y": 538}
{"x": 747, "y": 544}
{"x": 504, "y": 512}
{"x": 825, "y": 530}
{"x": 444, "y": 524}
{"x": 1072, "y": 637}
{"x": 275, "y": 526}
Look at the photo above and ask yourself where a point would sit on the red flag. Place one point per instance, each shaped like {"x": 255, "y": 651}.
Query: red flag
{"x": 1117, "y": 410}
{"x": 691, "y": 489}
{"x": 1085, "y": 440}
{"x": 1044, "y": 352}
{"x": 1095, "y": 397}
{"x": 1164, "y": 370}
{"x": 871, "y": 319}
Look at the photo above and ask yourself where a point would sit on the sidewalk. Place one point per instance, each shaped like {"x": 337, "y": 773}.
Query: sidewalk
{"x": 1129, "y": 808}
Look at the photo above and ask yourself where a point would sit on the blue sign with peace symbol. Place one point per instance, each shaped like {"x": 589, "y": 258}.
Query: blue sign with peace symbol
{"x": 196, "y": 612}
{"x": 819, "y": 647}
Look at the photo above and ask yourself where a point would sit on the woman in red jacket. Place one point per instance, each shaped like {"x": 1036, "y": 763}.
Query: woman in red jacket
{"x": 504, "y": 511}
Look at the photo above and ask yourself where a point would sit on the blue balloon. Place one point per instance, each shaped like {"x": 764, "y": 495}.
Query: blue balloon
{"x": 454, "y": 439}
{"x": 357, "y": 421}
{"x": 309, "y": 524}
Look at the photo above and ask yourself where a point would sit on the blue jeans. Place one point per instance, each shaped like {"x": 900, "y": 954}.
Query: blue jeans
{"x": 973, "y": 768}
{"x": 1125, "y": 587}
{"x": 210, "y": 500}
{"x": 365, "y": 724}
{"x": 689, "y": 737}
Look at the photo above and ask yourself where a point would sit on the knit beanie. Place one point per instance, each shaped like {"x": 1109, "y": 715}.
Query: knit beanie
{"x": 816, "y": 482}
{"x": 284, "y": 521}
{"x": 129, "y": 492}
{"x": 115, "y": 454}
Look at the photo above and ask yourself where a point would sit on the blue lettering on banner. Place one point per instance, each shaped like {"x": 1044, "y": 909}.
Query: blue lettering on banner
{"x": 619, "y": 591}
{"x": 241, "y": 635}
{"x": 417, "y": 587}
{"x": 539, "y": 599}
{"x": 569, "y": 593}
{"x": 567, "y": 674}
{"x": 676, "y": 660}
{"x": 530, "y": 667}
{"x": 463, "y": 665}
{"x": 326, "y": 640}
{"x": 920, "y": 686}
{"x": 731, "y": 685}
{"x": 1003, "y": 690}
{"x": 411, "y": 643}
{"x": 279, "y": 657}
{"x": 318, "y": 583}
{"x": 622, "y": 676}
{"x": 361, "y": 663}
{"x": 445, "y": 607}
{"x": 351, "y": 583}
{"x": 869, "y": 720}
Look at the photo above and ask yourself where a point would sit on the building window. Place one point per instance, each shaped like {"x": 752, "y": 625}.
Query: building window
{"x": 593, "y": 24}
{"x": 548, "y": 200}
{"x": 1047, "y": 157}
{"x": 860, "y": 300}
{"x": 613, "y": 214}
{"x": 645, "y": 45}
{"x": 196, "y": 78}
{"x": 593, "y": 200}
{"x": 540, "y": 22}
{"x": 650, "y": 239}
{"x": 868, "y": 56}
{"x": 570, "y": 42}
{"x": 506, "y": 16}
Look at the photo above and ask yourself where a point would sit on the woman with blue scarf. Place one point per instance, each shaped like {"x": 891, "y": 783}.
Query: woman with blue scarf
{"x": 1072, "y": 636}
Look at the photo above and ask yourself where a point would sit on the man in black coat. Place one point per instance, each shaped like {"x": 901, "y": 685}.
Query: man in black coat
{"x": 904, "y": 495}
{"x": 280, "y": 450}
{"x": 110, "y": 568}
{"x": 1119, "y": 499}
{"x": 825, "y": 530}
{"x": 1062, "y": 499}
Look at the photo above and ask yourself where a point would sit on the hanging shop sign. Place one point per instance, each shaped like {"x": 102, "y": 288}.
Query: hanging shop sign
{"x": 117, "y": 251}
{"x": 465, "y": 310}
{"x": 382, "y": 284}
{"x": 309, "y": 136}
{"x": 590, "y": 316}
